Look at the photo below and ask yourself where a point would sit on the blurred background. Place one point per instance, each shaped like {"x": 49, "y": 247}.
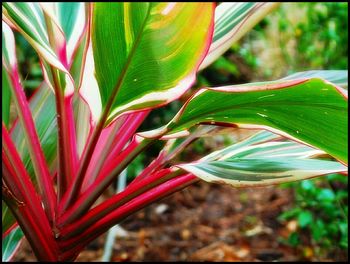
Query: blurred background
{"x": 302, "y": 221}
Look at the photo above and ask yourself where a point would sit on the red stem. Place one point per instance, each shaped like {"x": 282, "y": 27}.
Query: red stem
{"x": 74, "y": 188}
{"x": 38, "y": 160}
{"x": 154, "y": 165}
{"x": 108, "y": 174}
{"x": 67, "y": 145}
{"x": 101, "y": 226}
{"x": 122, "y": 136}
{"x": 103, "y": 148}
{"x": 128, "y": 129}
{"x": 25, "y": 203}
{"x": 115, "y": 201}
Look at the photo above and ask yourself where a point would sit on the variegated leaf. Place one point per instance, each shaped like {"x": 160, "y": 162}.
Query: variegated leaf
{"x": 309, "y": 110}
{"x": 28, "y": 18}
{"x": 232, "y": 22}
{"x": 70, "y": 18}
{"x": 152, "y": 56}
{"x": 253, "y": 172}
{"x": 258, "y": 161}
{"x": 56, "y": 31}
{"x": 11, "y": 243}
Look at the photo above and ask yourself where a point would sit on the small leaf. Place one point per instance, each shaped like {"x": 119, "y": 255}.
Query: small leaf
{"x": 305, "y": 218}
{"x": 326, "y": 195}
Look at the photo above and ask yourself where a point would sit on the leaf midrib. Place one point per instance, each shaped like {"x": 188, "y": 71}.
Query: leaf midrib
{"x": 122, "y": 75}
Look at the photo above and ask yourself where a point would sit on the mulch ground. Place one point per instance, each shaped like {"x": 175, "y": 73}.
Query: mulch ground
{"x": 207, "y": 222}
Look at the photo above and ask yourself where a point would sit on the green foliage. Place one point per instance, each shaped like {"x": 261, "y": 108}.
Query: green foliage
{"x": 323, "y": 33}
{"x": 320, "y": 210}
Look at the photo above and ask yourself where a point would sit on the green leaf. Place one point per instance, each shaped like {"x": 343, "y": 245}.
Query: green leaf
{"x": 153, "y": 51}
{"x": 305, "y": 218}
{"x": 28, "y": 18}
{"x": 265, "y": 163}
{"x": 7, "y": 218}
{"x": 312, "y": 111}
{"x": 233, "y": 21}
{"x": 11, "y": 243}
{"x": 318, "y": 230}
{"x": 6, "y": 97}
{"x": 326, "y": 195}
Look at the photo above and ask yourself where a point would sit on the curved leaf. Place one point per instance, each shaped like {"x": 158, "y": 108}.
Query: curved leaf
{"x": 233, "y": 21}
{"x": 153, "y": 51}
{"x": 28, "y": 18}
{"x": 249, "y": 172}
{"x": 309, "y": 110}
{"x": 255, "y": 162}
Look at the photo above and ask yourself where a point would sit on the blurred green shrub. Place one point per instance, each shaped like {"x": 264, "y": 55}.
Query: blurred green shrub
{"x": 321, "y": 211}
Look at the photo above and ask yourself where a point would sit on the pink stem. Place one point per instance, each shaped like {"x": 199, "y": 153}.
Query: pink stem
{"x": 103, "y": 149}
{"x": 108, "y": 174}
{"x": 24, "y": 202}
{"x": 153, "y": 166}
{"x": 115, "y": 201}
{"x": 128, "y": 129}
{"x": 33, "y": 143}
{"x": 122, "y": 136}
{"x": 101, "y": 226}
{"x": 67, "y": 145}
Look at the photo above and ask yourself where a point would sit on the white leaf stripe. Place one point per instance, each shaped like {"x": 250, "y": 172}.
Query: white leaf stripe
{"x": 255, "y": 139}
{"x": 271, "y": 149}
{"x": 8, "y": 48}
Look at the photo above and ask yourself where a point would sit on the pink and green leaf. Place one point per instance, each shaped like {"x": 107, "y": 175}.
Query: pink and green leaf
{"x": 293, "y": 108}
{"x": 45, "y": 122}
{"x": 44, "y": 115}
{"x": 152, "y": 56}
